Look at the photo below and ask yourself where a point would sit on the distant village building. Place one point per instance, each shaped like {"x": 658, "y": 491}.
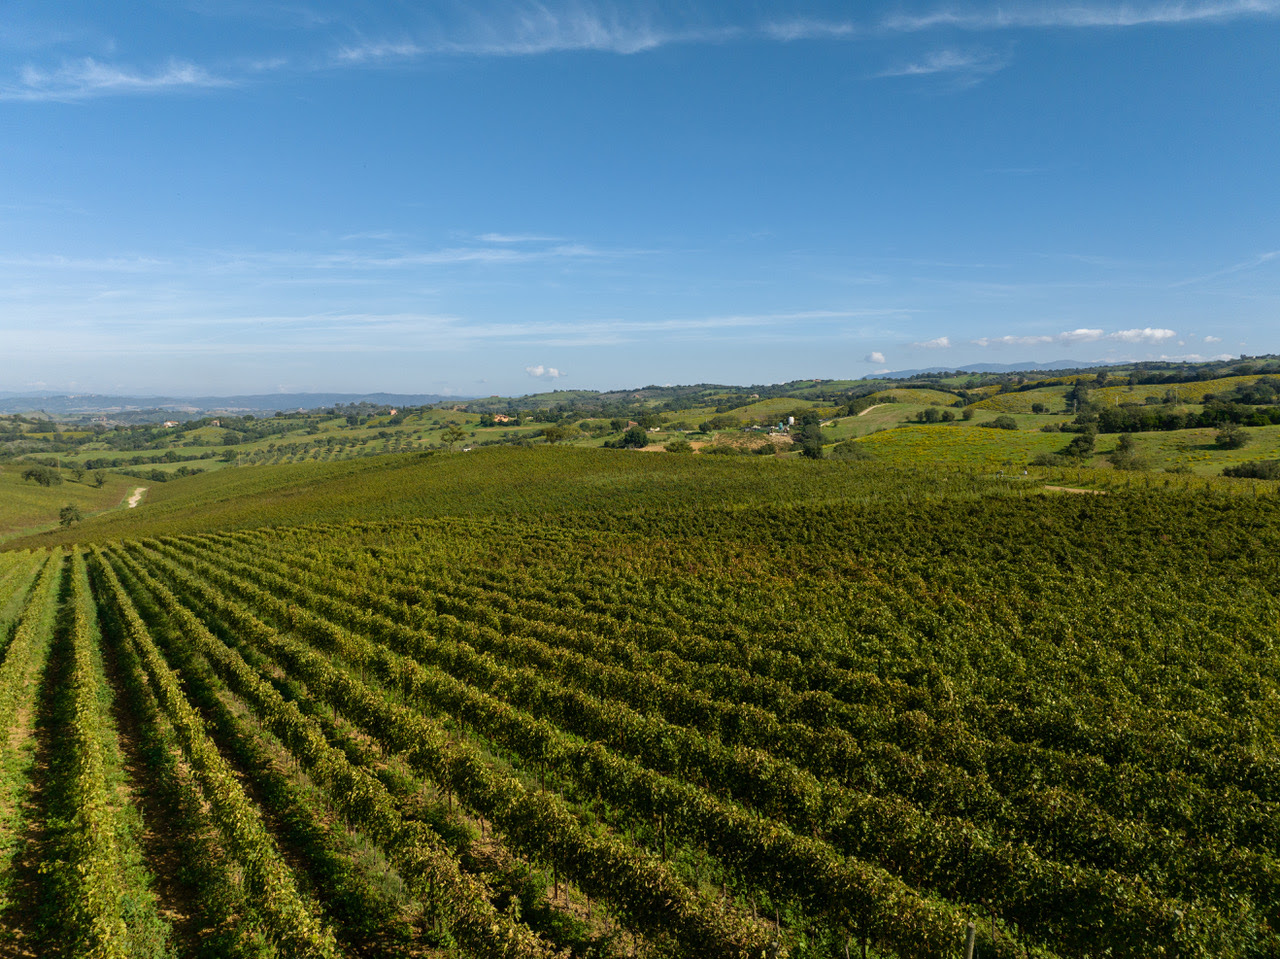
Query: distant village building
{"x": 170, "y": 424}
{"x": 501, "y": 418}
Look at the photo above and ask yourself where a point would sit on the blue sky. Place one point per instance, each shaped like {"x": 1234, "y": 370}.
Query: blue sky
{"x": 221, "y": 196}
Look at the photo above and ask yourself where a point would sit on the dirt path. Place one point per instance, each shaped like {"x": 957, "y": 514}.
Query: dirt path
{"x": 1072, "y": 489}
{"x": 136, "y": 498}
{"x": 870, "y": 408}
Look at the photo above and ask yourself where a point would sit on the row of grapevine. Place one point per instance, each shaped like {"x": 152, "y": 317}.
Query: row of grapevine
{"x": 291, "y": 922}
{"x": 537, "y": 824}
{"x": 418, "y": 855}
{"x": 929, "y": 850}
{"x": 894, "y": 833}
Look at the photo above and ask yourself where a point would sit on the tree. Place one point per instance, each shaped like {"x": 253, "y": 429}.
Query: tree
{"x": 808, "y": 436}
{"x": 78, "y": 473}
{"x": 1003, "y": 423}
{"x": 69, "y": 514}
{"x": 635, "y": 437}
{"x": 1231, "y": 436}
{"x": 99, "y": 478}
{"x": 453, "y": 435}
{"x": 1039, "y": 408}
{"x": 43, "y": 475}
{"x": 679, "y": 445}
{"x": 967, "y": 413}
{"x": 1125, "y": 456}
{"x": 1078, "y": 396}
{"x": 556, "y": 433}
{"x": 1081, "y": 447}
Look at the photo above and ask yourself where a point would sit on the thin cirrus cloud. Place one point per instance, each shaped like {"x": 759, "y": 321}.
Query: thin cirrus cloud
{"x": 542, "y": 29}
{"x": 790, "y": 31}
{"x": 1252, "y": 263}
{"x": 941, "y": 343}
{"x": 536, "y": 29}
{"x": 87, "y": 77}
{"x": 500, "y": 250}
{"x": 1048, "y": 16}
{"x": 948, "y": 62}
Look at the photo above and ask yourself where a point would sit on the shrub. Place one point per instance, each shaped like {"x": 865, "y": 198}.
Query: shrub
{"x": 1255, "y": 469}
{"x": 850, "y": 450}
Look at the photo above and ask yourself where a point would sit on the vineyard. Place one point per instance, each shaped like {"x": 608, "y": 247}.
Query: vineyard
{"x": 872, "y": 725}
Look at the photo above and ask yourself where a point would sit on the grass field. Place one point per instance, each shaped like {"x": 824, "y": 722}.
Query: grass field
{"x": 917, "y": 397}
{"x": 1197, "y": 450}
{"x": 1190, "y": 393}
{"x": 961, "y": 444}
{"x": 26, "y": 506}
{"x": 1050, "y": 396}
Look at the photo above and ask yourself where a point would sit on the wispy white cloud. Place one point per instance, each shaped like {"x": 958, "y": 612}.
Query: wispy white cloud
{"x": 516, "y": 238}
{"x": 536, "y": 28}
{"x": 533, "y": 28}
{"x": 948, "y": 62}
{"x": 1148, "y": 335}
{"x": 87, "y": 78}
{"x": 77, "y": 264}
{"x": 941, "y": 343}
{"x": 1083, "y": 15}
{"x": 230, "y": 261}
{"x": 876, "y": 357}
{"x": 176, "y": 331}
{"x": 615, "y": 331}
{"x": 805, "y": 29}
{"x": 1213, "y": 339}
{"x": 986, "y": 341}
{"x": 1252, "y": 263}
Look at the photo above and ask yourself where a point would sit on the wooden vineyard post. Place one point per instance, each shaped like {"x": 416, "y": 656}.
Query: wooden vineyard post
{"x": 969, "y": 933}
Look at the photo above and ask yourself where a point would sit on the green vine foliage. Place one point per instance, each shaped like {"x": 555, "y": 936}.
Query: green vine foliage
{"x": 735, "y": 724}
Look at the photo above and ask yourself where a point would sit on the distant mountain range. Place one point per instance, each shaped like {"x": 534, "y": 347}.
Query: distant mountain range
{"x": 79, "y": 404}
